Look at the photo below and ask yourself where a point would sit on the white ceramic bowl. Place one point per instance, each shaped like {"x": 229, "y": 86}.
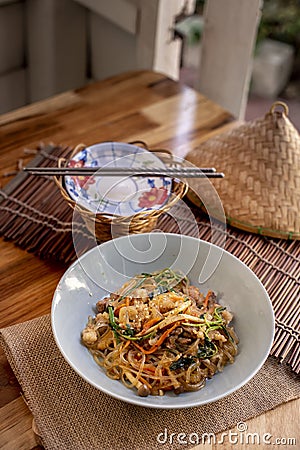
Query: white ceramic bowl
{"x": 123, "y": 196}
{"x": 106, "y": 267}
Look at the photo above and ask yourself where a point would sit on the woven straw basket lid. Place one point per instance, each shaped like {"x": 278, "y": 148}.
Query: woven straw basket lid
{"x": 261, "y": 162}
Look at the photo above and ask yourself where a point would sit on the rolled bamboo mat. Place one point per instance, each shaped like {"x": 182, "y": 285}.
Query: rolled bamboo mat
{"x": 35, "y": 217}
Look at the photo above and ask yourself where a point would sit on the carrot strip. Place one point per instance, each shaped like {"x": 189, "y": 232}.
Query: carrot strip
{"x": 149, "y": 324}
{"x": 126, "y": 303}
{"x": 127, "y": 343}
{"x": 151, "y": 369}
{"x": 117, "y": 309}
{"x": 205, "y": 303}
{"x": 159, "y": 342}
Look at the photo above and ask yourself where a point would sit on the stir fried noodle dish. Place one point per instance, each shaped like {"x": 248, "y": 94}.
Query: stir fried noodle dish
{"x": 158, "y": 333}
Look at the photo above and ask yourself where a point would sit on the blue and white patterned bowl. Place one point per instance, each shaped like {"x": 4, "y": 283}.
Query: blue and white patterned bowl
{"x": 122, "y": 196}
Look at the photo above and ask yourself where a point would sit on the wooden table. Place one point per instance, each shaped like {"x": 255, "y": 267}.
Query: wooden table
{"x": 138, "y": 105}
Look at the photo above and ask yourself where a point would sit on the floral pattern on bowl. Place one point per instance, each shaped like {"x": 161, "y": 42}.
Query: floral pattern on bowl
{"x": 122, "y": 196}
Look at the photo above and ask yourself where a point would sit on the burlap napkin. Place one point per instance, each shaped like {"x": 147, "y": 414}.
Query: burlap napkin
{"x": 72, "y": 415}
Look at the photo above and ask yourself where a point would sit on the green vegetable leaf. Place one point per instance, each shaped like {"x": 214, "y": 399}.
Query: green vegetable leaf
{"x": 183, "y": 362}
{"x": 207, "y": 350}
{"x": 227, "y": 334}
{"x": 128, "y": 333}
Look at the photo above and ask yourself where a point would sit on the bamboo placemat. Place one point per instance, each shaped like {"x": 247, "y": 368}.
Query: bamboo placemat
{"x": 35, "y": 217}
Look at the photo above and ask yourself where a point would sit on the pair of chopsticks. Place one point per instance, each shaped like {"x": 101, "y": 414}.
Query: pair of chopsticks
{"x": 182, "y": 172}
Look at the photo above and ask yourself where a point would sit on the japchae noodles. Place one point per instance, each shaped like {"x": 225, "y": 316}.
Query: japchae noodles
{"x": 158, "y": 333}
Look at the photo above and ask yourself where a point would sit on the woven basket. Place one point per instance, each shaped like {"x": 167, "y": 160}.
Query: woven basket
{"x": 106, "y": 226}
{"x": 261, "y": 161}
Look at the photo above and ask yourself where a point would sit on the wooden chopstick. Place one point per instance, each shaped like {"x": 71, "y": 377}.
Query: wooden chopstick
{"x": 182, "y": 172}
